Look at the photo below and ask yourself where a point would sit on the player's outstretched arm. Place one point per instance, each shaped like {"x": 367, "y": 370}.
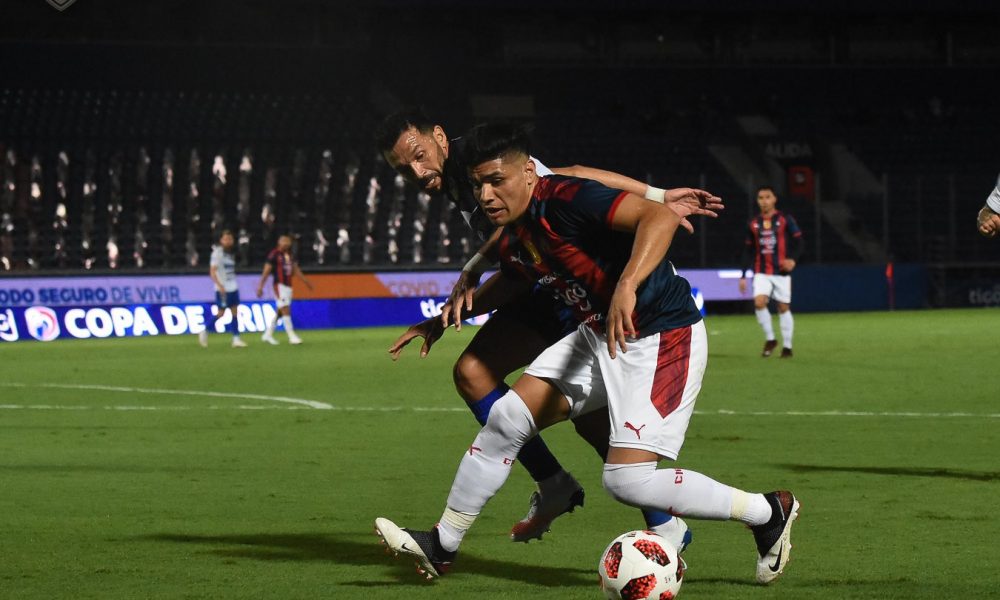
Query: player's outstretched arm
{"x": 654, "y": 230}
{"x": 699, "y": 202}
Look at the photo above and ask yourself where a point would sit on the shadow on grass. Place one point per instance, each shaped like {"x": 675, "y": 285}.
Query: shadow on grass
{"x": 896, "y": 471}
{"x": 349, "y": 551}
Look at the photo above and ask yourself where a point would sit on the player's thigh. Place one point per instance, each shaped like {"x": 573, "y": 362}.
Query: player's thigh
{"x": 762, "y": 285}
{"x": 283, "y": 297}
{"x": 782, "y": 290}
{"x": 570, "y": 366}
{"x": 501, "y": 346}
{"x": 653, "y": 387}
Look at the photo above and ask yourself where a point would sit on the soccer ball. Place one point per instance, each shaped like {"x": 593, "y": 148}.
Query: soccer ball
{"x": 639, "y": 565}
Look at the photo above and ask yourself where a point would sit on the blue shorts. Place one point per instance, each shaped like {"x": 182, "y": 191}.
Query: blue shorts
{"x": 228, "y": 299}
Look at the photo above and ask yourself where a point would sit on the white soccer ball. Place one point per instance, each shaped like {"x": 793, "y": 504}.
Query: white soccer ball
{"x": 639, "y": 565}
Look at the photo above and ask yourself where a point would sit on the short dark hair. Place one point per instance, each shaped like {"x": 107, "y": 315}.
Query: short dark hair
{"x": 766, "y": 187}
{"x": 226, "y": 232}
{"x": 389, "y": 130}
{"x": 488, "y": 141}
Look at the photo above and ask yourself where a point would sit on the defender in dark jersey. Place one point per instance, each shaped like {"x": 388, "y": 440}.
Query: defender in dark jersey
{"x": 639, "y": 352}
{"x": 773, "y": 246}
{"x": 421, "y": 152}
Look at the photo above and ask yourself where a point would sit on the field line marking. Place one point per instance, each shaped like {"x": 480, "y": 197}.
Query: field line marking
{"x": 136, "y": 390}
{"x": 299, "y": 403}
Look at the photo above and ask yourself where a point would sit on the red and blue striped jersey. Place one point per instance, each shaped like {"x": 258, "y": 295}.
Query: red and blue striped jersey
{"x": 565, "y": 244}
{"x": 769, "y": 240}
{"x": 282, "y": 265}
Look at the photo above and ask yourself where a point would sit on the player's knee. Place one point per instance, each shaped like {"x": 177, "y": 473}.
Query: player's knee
{"x": 783, "y": 308}
{"x": 760, "y": 303}
{"x": 627, "y": 483}
{"x": 473, "y": 379}
{"x": 511, "y": 420}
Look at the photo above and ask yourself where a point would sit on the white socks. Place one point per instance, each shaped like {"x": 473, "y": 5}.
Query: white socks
{"x": 684, "y": 493}
{"x": 764, "y": 318}
{"x": 787, "y": 324}
{"x": 785, "y": 321}
{"x": 287, "y": 322}
{"x": 485, "y": 466}
{"x": 272, "y": 324}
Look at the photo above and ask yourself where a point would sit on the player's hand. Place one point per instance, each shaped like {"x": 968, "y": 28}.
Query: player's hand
{"x": 690, "y": 201}
{"x": 787, "y": 265}
{"x": 988, "y": 222}
{"x": 220, "y": 289}
{"x": 260, "y": 292}
{"x": 743, "y": 287}
{"x": 619, "y": 323}
{"x": 460, "y": 299}
{"x": 431, "y": 330}
{"x": 308, "y": 284}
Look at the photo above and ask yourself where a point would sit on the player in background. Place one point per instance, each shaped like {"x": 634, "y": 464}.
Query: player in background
{"x": 639, "y": 352}
{"x": 420, "y": 150}
{"x": 988, "y": 221}
{"x": 773, "y": 247}
{"x": 283, "y": 265}
{"x": 222, "y": 269}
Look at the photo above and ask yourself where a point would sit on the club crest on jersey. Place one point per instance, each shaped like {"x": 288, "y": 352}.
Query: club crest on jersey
{"x": 533, "y": 251}
{"x": 767, "y": 223}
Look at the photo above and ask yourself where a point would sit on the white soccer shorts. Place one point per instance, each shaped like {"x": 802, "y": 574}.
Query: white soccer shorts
{"x": 778, "y": 287}
{"x": 283, "y": 295}
{"x": 650, "y": 390}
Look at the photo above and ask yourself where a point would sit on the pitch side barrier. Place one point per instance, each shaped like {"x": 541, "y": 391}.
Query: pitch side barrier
{"x": 46, "y": 308}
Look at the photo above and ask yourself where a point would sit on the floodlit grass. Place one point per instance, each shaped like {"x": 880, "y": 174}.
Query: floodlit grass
{"x": 121, "y": 478}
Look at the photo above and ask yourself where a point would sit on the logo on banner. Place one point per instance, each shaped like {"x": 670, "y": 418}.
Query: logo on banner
{"x": 60, "y": 5}
{"x": 42, "y": 323}
{"x": 8, "y": 326}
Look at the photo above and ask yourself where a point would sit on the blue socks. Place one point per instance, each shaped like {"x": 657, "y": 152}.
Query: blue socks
{"x": 655, "y": 518}
{"x": 534, "y": 455}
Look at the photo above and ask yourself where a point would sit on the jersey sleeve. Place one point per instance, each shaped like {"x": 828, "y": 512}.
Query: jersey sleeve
{"x": 216, "y": 258}
{"x": 793, "y": 227}
{"x": 994, "y": 199}
{"x": 540, "y": 168}
{"x": 581, "y": 206}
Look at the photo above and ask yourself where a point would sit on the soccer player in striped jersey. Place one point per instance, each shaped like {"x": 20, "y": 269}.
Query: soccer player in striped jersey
{"x": 639, "y": 353}
{"x": 420, "y": 150}
{"x": 222, "y": 270}
{"x": 773, "y": 246}
{"x": 282, "y": 264}
{"x": 988, "y": 221}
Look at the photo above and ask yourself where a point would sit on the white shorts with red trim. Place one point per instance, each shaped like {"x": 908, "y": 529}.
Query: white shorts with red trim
{"x": 778, "y": 287}
{"x": 282, "y": 295}
{"x": 649, "y": 391}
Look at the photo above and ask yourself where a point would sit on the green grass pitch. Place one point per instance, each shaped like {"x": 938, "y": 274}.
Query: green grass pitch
{"x": 153, "y": 468}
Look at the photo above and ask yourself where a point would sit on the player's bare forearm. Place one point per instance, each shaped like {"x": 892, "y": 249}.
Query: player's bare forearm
{"x": 298, "y": 273}
{"x": 609, "y": 178}
{"x": 654, "y": 231}
{"x": 263, "y": 278}
{"x": 496, "y": 291}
